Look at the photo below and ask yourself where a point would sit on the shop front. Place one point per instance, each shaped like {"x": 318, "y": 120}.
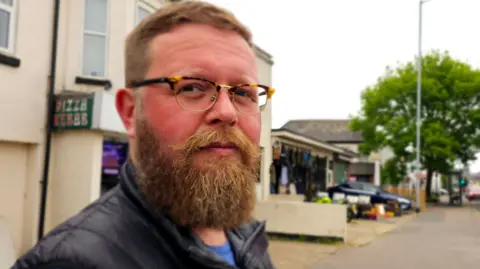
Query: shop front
{"x": 89, "y": 145}
{"x": 301, "y": 164}
{"x": 340, "y": 172}
{"x": 301, "y": 168}
{"x": 114, "y": 155}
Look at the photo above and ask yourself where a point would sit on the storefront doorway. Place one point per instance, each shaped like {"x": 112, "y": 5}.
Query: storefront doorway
{"x": 115, "y": 154}
{"x": 340, "y": 172}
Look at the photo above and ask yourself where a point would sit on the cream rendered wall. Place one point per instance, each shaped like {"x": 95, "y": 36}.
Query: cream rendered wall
{"x": 19, "y": 195}
{"x": 32, "y": 195}
{"x": 75, "y": 174}
{"x": 23, "y": 89}
{"x": 121, "y": 20}
{"x": 13, "y": 175}
{"x": 264, "y": 64}
{"x": 23, "y": 93}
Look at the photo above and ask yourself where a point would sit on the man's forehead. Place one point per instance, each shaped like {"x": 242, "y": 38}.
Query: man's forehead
{"x": 203, "y": 51}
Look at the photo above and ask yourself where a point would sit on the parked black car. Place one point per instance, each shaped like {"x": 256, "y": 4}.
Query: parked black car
{"x": 377, "y": 194}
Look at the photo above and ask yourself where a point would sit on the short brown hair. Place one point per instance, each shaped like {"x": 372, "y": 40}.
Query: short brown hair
{"x": 164, "y": 20}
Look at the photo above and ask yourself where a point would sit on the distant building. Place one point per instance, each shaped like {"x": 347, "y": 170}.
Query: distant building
{"x": 337, "y": 132}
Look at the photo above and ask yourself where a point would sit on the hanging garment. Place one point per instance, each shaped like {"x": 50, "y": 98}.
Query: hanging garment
{"x": 307, "y": 159}
{"x": 273, "y": 179}
{"x": 298, "y": 159}
{"x": 278, "y": 170}
{"x": 291, "y": 157}
{"x": 300, "y": 186}
{"x": 276, "y": 152}
{"x": 284, "y": 176}
{"x": 273, "y": 174}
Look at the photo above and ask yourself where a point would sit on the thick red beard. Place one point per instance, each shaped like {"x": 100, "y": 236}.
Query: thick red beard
{"x": 213, "y": 193}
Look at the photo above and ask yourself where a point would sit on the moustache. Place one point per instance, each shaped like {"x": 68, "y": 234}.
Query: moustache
{"x": 231, "y": 137}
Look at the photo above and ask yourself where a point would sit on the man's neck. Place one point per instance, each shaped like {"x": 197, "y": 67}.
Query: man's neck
{"x": 211, "y": 237}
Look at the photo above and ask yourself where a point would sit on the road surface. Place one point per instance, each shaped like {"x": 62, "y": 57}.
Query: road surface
{"x": 441, "y": 238}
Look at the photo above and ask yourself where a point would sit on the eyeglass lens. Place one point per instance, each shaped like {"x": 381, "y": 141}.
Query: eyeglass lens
{"x": 199, "y": 95}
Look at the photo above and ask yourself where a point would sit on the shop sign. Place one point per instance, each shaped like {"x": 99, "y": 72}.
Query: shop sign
{"x": 73, "y": 112}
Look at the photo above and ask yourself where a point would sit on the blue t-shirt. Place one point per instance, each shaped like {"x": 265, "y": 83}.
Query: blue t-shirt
{"x": 224, "y": 251}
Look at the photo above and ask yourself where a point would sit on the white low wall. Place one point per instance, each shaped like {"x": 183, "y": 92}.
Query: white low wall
{"x": 258, "y": 189}
{"x": 299, "y": 218}
{"x": 286, "y": 197}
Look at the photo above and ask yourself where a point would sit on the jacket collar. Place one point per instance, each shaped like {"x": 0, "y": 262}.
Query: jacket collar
{"x": 248, "y": 241}
{"x": 163, "y": 227}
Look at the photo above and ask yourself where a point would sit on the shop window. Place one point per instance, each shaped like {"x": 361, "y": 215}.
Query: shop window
{"x": 95, "y": 38}
{"x": 115, "y": 154}
{"x": 7, "y": 22}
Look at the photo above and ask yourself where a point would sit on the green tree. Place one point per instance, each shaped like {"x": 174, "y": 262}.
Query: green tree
{"x": 450, "y": 113}
{"x": 393, "y": 171}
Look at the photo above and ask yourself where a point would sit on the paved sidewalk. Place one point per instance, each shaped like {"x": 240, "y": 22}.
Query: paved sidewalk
{"x": 300, "y": 255}
{"x": 363, "y": 232}
{"x": 441, "y": 238}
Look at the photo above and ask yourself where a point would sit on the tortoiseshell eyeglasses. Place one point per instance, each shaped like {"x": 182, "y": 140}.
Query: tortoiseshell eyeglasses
{"x": 199, "y": 94}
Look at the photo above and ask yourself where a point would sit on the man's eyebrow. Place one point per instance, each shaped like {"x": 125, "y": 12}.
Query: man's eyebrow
{"x": 203, "y": 73}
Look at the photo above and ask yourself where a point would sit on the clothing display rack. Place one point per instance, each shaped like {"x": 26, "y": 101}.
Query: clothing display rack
{"x": 298, "y": 167}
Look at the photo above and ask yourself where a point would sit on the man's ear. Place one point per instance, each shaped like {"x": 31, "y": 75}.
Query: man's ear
{"x": 125, "y": 104}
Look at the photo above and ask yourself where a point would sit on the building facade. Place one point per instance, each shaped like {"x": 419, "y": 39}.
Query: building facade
{"x": 312, "y": 161}
{"x": 88, "y": 66}
{"x": 337, "y": 132}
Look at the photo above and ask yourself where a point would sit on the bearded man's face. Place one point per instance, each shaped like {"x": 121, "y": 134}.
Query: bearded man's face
{"x": 214, "y": 192}
{"x": 199, "y": 167}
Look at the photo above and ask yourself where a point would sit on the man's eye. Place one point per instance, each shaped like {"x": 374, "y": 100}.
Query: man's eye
{"x": 246, "y": 93}
{"x": 242, "y": 93}
{"x": 192, "y": 89}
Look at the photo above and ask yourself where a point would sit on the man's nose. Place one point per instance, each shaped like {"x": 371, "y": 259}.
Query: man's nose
{"x": 223, "y": 111}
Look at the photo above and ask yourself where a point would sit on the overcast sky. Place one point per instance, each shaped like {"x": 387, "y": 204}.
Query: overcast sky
{"x": 327, "y": 52}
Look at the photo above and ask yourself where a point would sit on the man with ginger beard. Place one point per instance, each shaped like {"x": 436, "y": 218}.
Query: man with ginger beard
{"x": 191, "y": 108}
{"x": 208, "y": 189}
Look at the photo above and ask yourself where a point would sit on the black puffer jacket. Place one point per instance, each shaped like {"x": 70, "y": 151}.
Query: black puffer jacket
{"x": 118, "y": 231}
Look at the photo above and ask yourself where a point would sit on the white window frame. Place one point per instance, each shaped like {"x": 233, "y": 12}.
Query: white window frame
{"x": 12, "y": 10}
{"x": 142, "y": 4}
{"x": 95, "y": 33}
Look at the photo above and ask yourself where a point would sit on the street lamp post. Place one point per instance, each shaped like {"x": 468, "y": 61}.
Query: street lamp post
{"x": 419, "y": 99}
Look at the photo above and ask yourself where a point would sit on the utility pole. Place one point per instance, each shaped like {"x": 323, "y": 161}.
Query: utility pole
{"x": 418, "y": 165}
